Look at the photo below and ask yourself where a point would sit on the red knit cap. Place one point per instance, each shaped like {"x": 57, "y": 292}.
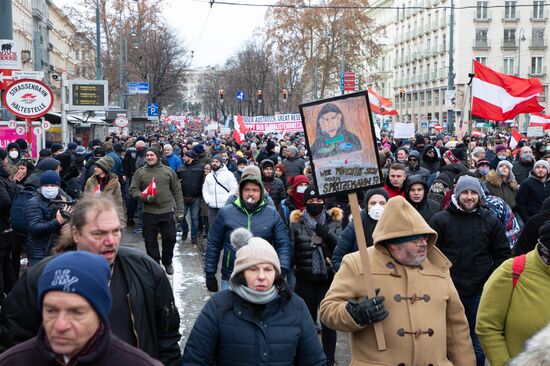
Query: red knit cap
{"x": 293, "y": 182}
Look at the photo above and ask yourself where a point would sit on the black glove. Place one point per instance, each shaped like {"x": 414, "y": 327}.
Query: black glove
{"x": 212, "y": 284}
{"x": 321, "y": 230}
{"x": 367, "y": 311}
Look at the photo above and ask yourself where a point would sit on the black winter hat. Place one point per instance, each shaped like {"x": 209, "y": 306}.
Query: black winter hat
{"x": 270, "y": 145}
{"x": 44, "y": 153}
{"x": 311, "y": 192}
{"x": 22, "y": 143}
{"x": 13, "y": 145}
{"x": 373, "y": 191}
{"x": 191, "y": 154}
{"x": 56, "y": 147}
{"x": 459, "y": 154}
{"x": 48, "y": 164}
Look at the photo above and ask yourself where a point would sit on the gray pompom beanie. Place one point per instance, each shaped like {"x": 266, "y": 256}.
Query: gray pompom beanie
{"x": 251, "y": 251}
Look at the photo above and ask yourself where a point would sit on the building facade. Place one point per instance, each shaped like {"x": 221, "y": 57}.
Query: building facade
{"x": 508, "y": 36}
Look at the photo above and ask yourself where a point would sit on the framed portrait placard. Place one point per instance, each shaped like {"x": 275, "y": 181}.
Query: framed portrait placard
{"x": 341, "y": 144}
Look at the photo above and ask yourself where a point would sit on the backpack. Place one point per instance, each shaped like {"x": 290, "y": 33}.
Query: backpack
{"x": 17, "y": 212}
{"x": 518, "y": 264}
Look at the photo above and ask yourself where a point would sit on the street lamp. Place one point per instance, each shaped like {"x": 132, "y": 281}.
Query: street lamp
{"x": 98, "y": 70}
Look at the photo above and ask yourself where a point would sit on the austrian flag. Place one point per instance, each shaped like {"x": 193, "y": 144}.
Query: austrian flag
{"x": 539, "y": 119}
{"x": 500, "y": 97}
{"x": 151, "y": 189}
{"x": 239, "y": 129}
{"x": 379, "y": 104}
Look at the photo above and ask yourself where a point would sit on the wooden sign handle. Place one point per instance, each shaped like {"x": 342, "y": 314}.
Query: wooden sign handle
{"x": 369, "y": 282}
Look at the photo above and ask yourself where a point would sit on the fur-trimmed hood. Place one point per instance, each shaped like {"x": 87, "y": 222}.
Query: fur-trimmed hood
{"x": 494, "y": 179}
{"x": 335, "y": 213}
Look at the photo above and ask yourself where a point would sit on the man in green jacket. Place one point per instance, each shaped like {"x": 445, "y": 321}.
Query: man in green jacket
{"x": 158, "y": 208}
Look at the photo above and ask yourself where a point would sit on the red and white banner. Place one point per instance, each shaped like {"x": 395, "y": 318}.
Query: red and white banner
{"x": 151, "y": 189}
{"x": 539, "y": 119}
{"x": 240, "y": 129}
{"x": 500, "y": 97}
{"x": 281, "y": 123}
{"x": 476, "y": 133}
{"x": 379, "y": 104}
{"x": 515, "y": 138}
{"x": 438, "y": 127}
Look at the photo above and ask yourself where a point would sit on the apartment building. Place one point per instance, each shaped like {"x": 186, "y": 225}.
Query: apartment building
{"x": 508, "y": 36}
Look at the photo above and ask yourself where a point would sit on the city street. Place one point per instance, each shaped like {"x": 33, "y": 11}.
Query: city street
{"x": 190, "y": 291}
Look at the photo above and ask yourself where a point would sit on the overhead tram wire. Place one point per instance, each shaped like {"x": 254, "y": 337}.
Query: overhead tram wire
{"x": 304, "y": 6}
{"x": 193, "y": 51}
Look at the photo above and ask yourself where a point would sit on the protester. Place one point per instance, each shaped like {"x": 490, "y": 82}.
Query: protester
{"x": 297, "y": 185}
{"x": 174, "y": 161}
{"x": 413, "y": 166}
{"x": 395, "y": 180}
{"x": 273, "y": 185}
{"x": 191, "y": 176}
{"x": 375, "y": 201}
{"x": 533, "y": 190}
{"x": 524, "y": 165}
{"x": 294, "y": 165}
{"x": 502, "y": 324}
{"x": 104, "y": 181}
{"x": 241, "y": 164}
{"x": 75, "y": 283}
{"x": 424, "y": 325}
{"x": 8, "y": 190}
{"x": 259, "y": 320}
{"x": 475, "y": 243}
{"x": 218, "y": 185}
{"x": 416, "y": 193}
{"x": 430, "y": 159}
{"x": 502, "y": 183}
{"x": 530, "y": 232}
{"x": 249, "y": 210}
{"x": 158, "y": 206}
{"x": 143, "y": 313}
{"x": 14, "y": 155}
{"x": 314, "y": 233}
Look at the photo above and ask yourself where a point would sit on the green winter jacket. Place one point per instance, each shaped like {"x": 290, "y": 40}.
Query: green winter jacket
{"x": 168, "y": 189}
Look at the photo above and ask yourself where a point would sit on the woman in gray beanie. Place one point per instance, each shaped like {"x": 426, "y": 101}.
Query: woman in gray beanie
{"x": 103, "y": 181}
{"x": 259, "y": 320}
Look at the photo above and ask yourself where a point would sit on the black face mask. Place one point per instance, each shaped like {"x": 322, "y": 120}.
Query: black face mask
{"x": 250, "y": 207}
{"x": 315, "y": 209}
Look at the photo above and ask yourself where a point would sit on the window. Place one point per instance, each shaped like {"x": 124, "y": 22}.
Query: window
{"x": 428, "y": 98}
{"x": 509, "y": 10}
{"x": 436, "y": 96}
{"x": 542, "y": 96}
{"x": 509, "y": 66}
{"x": 538, "y": 37}
{"x": 538, "y": 9}
{"x": 421, "y": 99}
{"x": 482, "y": 60}
{"x": 481, "y": 38}
{"x": 509, "y": 38}
{"x": 444, "y": 48}
{"x": 481, "y": 10}
{"x": 77, "y": 55}
{"x": 536, "y": 65}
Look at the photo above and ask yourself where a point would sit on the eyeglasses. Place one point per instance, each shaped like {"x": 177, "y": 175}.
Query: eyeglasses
{"x": 421, "y": 240}
{"x": 413, "y": 160}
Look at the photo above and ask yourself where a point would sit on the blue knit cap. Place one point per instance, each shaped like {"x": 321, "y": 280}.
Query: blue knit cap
{"x": 50, "y": 177}
{"x": 82, "y": 273}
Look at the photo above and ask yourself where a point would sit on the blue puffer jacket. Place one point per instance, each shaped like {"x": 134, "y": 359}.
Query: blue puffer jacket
{"x": 265, "y": 222}
{"x": 43, "y": 227}
{"x": 228, "y": 333}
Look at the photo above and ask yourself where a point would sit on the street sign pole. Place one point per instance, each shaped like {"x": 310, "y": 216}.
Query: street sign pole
{"x": 64, "y": 120}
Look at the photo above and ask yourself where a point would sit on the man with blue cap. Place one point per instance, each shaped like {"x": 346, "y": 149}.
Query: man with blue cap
{"x": 75, "y": 302}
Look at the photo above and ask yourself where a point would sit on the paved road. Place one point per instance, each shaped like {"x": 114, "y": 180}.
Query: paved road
{"x": 191, "y": 294}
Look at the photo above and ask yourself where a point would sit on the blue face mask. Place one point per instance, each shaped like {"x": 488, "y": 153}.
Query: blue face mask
{"x": 483, "y": 171}
{"x": 500, "y": 157}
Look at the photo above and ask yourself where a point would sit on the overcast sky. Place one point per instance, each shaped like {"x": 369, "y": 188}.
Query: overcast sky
{"x": 226, "y": 28}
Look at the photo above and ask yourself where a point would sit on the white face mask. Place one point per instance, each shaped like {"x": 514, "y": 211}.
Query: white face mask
{"x": 375, "y": 212}
{"x": 50, "y": 192}
{"x": 301, "y": 189}
{"x": 14, "y": 154}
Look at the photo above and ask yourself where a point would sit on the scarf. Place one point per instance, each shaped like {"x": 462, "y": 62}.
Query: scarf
{"x": 544, "y": 253}
{"x": 253, "y": 296}
{"x": 312, "y": 222}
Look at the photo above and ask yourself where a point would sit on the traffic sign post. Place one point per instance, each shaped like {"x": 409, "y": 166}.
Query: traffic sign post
{"x": 153, "y": 111}
{"x": 135, "y": 88}
{"x": 28, "y": 99}
{"x": 241, "y": 96}
{"x": 121, "y": 121}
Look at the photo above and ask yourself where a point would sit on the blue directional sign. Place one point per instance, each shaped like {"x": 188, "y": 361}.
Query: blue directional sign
{"x": 141, "y": 87}
{"x": 241, "y": 96}
{"x": 152, "y": 110}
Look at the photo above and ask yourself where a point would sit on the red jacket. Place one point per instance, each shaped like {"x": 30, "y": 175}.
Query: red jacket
{"x": 392, "y": 191}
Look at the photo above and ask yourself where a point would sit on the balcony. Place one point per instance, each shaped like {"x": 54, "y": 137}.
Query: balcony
{"x": 538, "y": 72}
{"x": 512, "y": 18}
{"x": 539, "y": 16}
{"x": 538, "y": 44}
{"x": 36, "y": 13}
{"x": 482, "y": 44}
{"x": 49, "y": 24}
{"x": 509, "y": 44}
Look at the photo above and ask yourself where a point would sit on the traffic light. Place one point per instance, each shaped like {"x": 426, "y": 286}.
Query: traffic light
{"x": 220, "y": 92}
{"x": 285, "y": 95}
{"x": 260, "y": 95}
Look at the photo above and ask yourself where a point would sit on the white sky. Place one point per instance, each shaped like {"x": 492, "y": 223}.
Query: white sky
{"x": 226, "y": 28}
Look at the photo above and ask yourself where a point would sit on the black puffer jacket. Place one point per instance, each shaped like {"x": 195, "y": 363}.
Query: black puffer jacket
{"x": 522, "y": 170}
{"x": 8, "y": 189}
{"x": 532, "y": 192}
{"x": 191, "y": 177}
{"x": 274, "y": 186}
{"x": 294, "y": 166}
{"x": 302, "y": 246}
{"x": 474, "y": 242}
{"x": 427, "y": 208}
{"x": 156, "y": 318}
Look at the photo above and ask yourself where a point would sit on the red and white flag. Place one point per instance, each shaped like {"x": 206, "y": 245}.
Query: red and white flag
{"x": 515, "y": 138}
{"x": 97, "y": 189}
{"x": 239, "y": 129}
{"x": 476, "y": 133}
{"x": 379, "y": 104}
{"x": 151, "y": 189}
{"x": 438, "y": 127}
{"x": 539, "y": 119}
{"x": 500, "y": 97}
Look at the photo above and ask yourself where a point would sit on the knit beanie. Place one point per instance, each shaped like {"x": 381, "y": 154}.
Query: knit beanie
{"x": 191, "y": 154}
{"x": 507, "y": 163}
{"x": 199, "y": 149}
{"x": 22, "y": 143}
{"x": 241, "y": 161}
{"x": 218, "y": 157}
{"x": 483, "y": 161}
{"x": 56, "y": 147}
{"x": 466, "y": 182}
{"x": 459, "y": 153}
{"x": 50, "y": 177}
{"x": 251, "y": 251}
{"x": 500, "y": 148}
{"x": 79, "y": 272}
{"x": 296, "y": 180}
{"x": 106, "y": 164}
{"x": 478, "y": 150}
{"x": 251, "y": 170}
{"x": 401, "y": 222}
{"x": 371, "y": 192}
{"x": 449, "y": 154}
{"x": 72, "y": 146}
{"x": 543, "y": 163}
{"x": 155, "y": 151}
{"x": 292, "y": 149}
{"x": 48, "y": 164}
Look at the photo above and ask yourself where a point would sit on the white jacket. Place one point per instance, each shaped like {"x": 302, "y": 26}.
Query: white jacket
{"x": 215, "y": 195}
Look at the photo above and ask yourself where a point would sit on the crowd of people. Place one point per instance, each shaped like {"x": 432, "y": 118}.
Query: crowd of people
{"x": 458, "y": 240}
